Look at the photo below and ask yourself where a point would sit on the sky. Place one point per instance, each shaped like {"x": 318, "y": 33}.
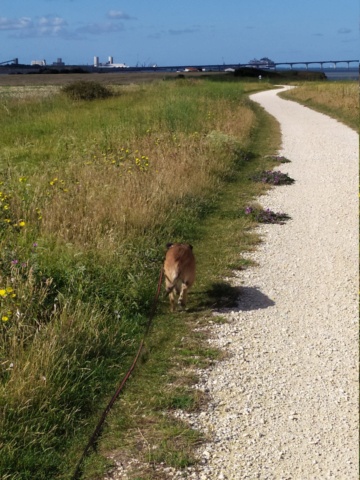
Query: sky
{"x": 178, "y": 32}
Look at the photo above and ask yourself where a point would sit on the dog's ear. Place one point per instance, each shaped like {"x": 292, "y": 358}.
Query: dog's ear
{"x": 190, "y": 246}
{"x": 168, "y": 245}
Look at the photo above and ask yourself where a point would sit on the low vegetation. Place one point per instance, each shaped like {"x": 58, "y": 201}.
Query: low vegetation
{"x": 90, "y": 194}
{"x": 273, "y": 177}
{"x": 280, "y": 75}
{"x": 263, "y": 215}
{"x": 86, "y": 90}
{"x": 337, "y": 99}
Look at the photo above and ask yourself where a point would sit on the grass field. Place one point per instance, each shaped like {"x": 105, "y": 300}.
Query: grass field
{"x": 337, "y": 99}
{"x": 91, "y": 192}
{"x": 112, "y": 78}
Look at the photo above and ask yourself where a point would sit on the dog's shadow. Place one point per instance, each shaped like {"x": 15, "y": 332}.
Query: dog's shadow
{"x": 223, "y": 296}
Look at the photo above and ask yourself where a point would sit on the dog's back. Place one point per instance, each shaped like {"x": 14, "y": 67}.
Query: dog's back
{"x": 179, "y": 269}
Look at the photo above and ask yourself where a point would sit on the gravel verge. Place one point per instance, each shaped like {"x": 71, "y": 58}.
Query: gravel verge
{"x": 284, "y": 403}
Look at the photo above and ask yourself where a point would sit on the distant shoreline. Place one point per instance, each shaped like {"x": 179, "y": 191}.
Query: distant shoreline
{"x": 332, "y": 74}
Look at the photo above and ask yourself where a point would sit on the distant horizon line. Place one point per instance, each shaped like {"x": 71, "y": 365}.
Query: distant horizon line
{"x": 110, "y": 64}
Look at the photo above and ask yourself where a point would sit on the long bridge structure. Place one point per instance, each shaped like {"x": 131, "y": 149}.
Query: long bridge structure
{"x": 334, "y": 63}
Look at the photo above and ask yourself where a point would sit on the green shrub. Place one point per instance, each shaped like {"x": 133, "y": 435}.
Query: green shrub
{"x": 86, "y": 90}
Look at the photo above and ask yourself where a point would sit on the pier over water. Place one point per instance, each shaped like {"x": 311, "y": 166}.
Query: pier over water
{"x": 333, "y": 63}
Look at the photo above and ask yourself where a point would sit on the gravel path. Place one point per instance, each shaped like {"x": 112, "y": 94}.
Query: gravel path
{"x": 285, "y": 403}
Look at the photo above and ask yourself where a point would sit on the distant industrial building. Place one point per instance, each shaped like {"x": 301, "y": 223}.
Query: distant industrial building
{"x": 109, "y": 64}
{"x": 14, "y": 61}
{"x": 40, "y": 63}
{"x": 59, "y": 63}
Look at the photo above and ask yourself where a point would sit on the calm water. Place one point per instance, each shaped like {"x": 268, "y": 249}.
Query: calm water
{"x": 338, "y": 73}
{"x": 342, "y": 73}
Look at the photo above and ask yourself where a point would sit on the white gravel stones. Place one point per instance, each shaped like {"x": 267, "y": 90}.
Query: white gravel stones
{"x": 284, "y": 405}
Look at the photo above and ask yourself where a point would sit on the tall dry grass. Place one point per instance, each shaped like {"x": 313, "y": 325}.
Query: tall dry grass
{"x": 122, "y": 193}
{"x": 340, "y": 99}
{"x": 90, "y": 194}
{"x": 115, "y": 187}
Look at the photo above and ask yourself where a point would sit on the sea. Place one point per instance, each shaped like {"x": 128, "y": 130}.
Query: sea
{"x": 337, "y": 73}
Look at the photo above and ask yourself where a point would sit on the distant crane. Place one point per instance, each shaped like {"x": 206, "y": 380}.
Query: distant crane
{"x": 15, "y": 61}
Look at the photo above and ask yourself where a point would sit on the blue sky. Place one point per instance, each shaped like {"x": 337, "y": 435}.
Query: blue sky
{"x": 178, "y": 32}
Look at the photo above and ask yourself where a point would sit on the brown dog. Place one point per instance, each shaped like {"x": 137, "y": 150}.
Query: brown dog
{"x": 179, "y": 270}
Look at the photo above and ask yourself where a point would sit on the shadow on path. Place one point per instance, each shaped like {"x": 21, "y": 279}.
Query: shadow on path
{"x": 223, "y": 296}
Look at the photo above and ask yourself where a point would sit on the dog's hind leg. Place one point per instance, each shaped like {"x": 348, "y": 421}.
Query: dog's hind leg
{"x": 183, "y": 294}
{"x": 171, "y": 288}
{"x": 172, "y": 300}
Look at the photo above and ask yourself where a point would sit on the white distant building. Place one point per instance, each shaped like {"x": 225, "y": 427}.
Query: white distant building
{"x": 41, "y": 63}
{"x": 109, "y": 64}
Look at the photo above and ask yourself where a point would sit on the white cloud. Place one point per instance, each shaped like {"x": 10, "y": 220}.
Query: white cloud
{"x": 183, "y": 31}
{"x": 15, "y": 24}
{"x": 100, "y": 28}
{"x": 119, "y": 15}
{"x": 174, "y": 32}
{"x": 51, "y": 26}
{"x": 24, "y": 27}
{"x": 51, "y": 21}
{"x": 55, "y": 26}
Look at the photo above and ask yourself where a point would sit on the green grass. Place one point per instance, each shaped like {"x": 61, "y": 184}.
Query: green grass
{"x": 165, "y": 380}
{"x": 91, "y": 193}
